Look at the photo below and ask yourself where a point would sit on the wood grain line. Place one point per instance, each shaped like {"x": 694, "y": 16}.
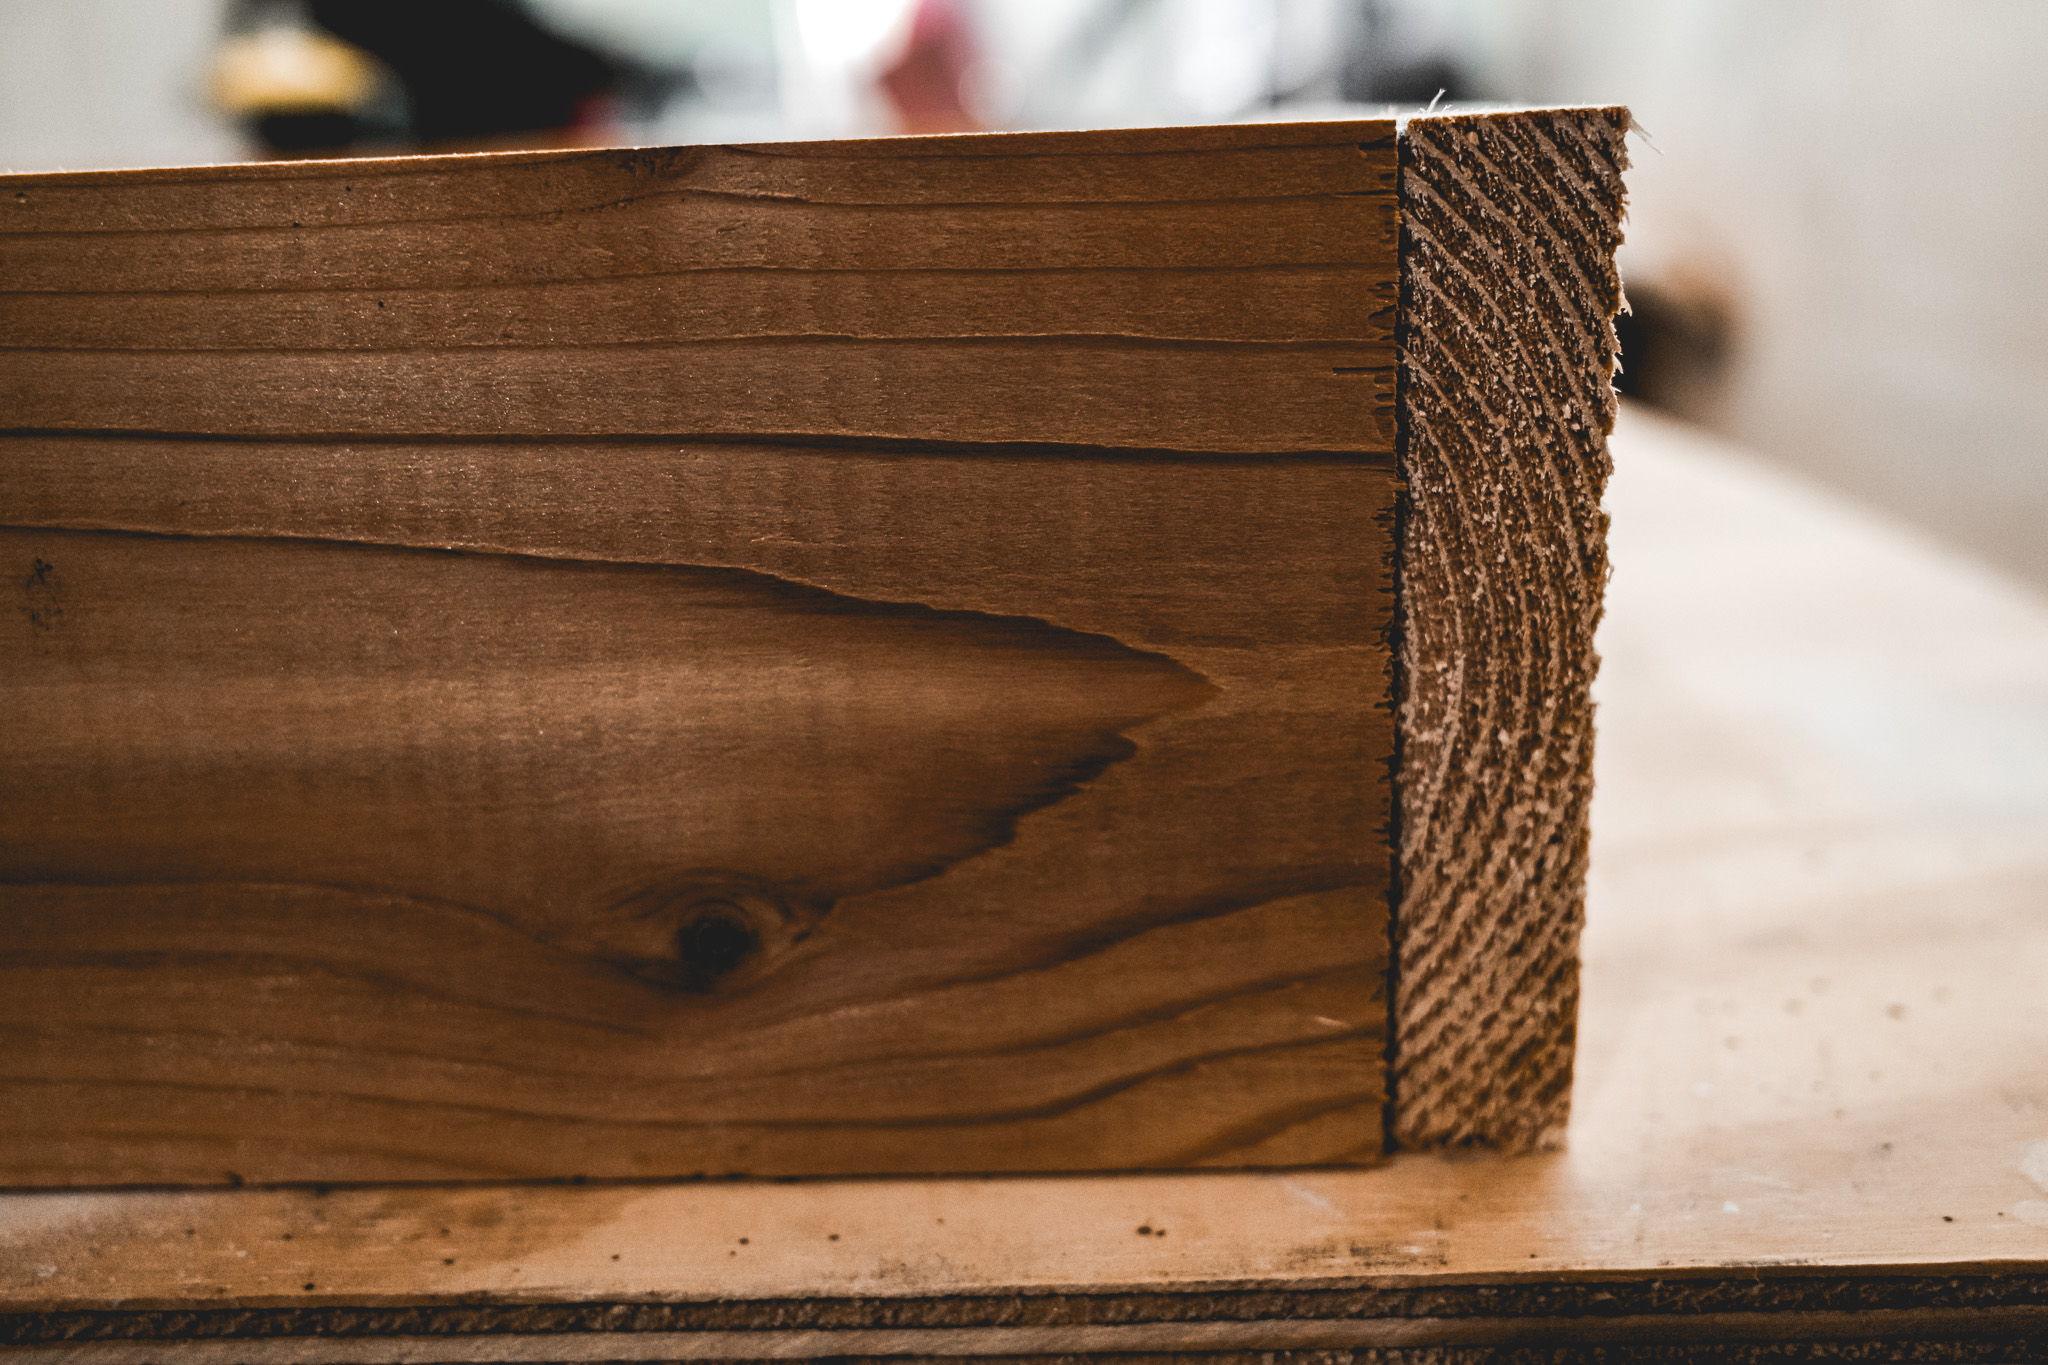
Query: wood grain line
{"x": 1226, "y": 400}
{"x": 1326, "y": 158}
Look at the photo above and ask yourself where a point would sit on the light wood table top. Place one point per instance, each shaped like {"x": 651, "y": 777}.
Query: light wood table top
{"x": 1814, "y": 1033}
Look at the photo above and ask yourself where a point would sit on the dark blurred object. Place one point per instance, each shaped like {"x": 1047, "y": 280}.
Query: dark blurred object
{"x": 1391, "y": 62}
{"x": 925, "y": 83}
{"x": 475, "y": 70}
{"x": 309, "y": 132}
{"x": 1675, "y": 343}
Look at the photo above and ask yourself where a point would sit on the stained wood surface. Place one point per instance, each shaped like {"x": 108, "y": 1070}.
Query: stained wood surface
{"x": 1807, "y": 1114}
{"x": 1509, "y": 225}
{"x": 982, "y": 766}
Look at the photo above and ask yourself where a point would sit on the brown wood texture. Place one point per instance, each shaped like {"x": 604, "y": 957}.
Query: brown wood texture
{"x": 1809, "y": 1116}
{"x": 1509, "y": 225}
{"x": 1218, "y": 290}
{"x": 842, "y": 658}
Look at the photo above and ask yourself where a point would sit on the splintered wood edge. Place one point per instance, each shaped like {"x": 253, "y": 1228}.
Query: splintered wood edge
{"x": 1509, "y": 223}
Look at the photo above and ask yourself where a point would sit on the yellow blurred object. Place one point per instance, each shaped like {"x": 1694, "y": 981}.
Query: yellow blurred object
{"x": 290, "y": 70}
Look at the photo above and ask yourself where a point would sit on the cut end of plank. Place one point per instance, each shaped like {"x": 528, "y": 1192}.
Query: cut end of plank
{"x": 1508, "y": 292}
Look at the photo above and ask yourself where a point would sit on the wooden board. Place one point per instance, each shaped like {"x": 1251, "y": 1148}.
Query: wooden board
{"x": 865, "y": 657}
{"x": 1807, "y": 1114}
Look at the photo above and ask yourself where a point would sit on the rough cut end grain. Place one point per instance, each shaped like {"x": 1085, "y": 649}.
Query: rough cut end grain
{"x": 1508, "y": 291}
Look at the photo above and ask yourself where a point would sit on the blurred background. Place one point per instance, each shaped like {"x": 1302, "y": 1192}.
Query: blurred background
{"x": 1835, "y": 250}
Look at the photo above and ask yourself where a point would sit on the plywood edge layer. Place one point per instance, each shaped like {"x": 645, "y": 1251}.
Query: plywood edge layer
{"x": 1797, "y": 1306}
{"x": 1508, "y": 289}
{"x": 1210, "y": 1341}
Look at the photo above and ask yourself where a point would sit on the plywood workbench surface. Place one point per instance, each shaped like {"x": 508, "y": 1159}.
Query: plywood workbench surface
{"x": 1813, "y": 1076}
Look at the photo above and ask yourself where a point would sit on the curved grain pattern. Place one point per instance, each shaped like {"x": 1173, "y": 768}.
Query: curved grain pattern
{"x": 1509, "y": 228}
{"x": 262, "y": 1031}
{"x": 1178, "y": 963}
{"x": 1223, "y": 398}
{"x": 591, "y": 751}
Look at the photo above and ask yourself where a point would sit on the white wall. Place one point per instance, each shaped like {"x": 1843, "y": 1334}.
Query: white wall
{"x": 87, "y": 84}
{"x": 1868, "y": 181}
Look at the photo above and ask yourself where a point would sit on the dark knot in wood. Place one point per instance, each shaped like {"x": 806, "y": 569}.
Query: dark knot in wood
{"x": 718, "y": 942}
{"x": 702, "y": 932}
